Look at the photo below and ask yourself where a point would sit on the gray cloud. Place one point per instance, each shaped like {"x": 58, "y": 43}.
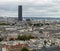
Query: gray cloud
{"x": 32, "y": 8}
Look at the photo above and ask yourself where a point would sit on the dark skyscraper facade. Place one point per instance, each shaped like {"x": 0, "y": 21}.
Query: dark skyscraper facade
{"x": 19, "y": 13}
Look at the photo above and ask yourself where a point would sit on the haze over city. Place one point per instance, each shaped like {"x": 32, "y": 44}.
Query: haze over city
{"x": 31, "y": 8}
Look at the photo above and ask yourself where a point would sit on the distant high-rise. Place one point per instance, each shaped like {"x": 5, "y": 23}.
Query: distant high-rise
{"x": 20, "y": 13}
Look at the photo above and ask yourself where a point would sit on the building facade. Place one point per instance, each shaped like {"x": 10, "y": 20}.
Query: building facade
{"x": 19, "y": 13}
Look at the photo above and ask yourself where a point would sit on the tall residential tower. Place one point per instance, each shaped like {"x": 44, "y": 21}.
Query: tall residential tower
{"x": 20, "y": 13}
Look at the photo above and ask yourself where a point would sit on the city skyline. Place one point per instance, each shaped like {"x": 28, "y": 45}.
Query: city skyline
{"x": 31, "y": 8}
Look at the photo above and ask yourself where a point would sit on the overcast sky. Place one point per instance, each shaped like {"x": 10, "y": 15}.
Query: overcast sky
{"x": 31, "y": 8}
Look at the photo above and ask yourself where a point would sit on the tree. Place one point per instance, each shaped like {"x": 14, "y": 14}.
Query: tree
{"x": 24, "y": 49}
{"x": 45, "y": 42}
{"x": 46, "y": 23}
{"x": 11, "y": 39}
{"x": 25, "y": 37}
{"x": 1, "y": 39}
